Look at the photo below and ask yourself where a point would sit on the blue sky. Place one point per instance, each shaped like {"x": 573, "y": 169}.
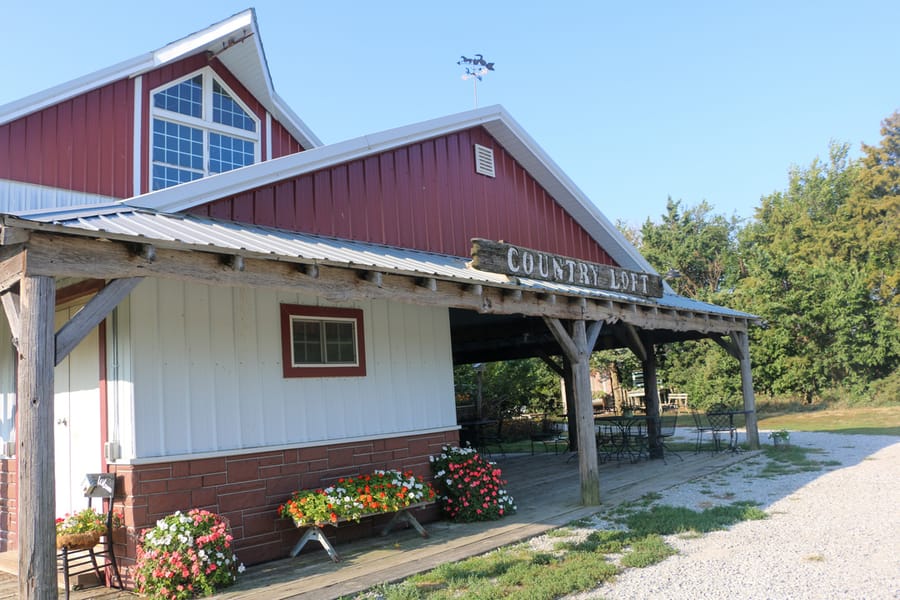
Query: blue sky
{"x": 635, "y": 101}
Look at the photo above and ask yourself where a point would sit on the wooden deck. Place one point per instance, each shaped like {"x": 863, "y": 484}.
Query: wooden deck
{"x": 545, "y": 487}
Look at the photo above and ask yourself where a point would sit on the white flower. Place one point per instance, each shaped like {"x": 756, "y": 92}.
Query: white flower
{"x": 241, "y": 568}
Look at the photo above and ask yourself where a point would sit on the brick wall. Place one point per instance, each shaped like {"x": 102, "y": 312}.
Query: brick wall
{"x": 248, "y": 489}
{"x": 8, "y": 497}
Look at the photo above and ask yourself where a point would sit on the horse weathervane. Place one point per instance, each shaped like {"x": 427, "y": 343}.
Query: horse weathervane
{"x": 476, "y": 68}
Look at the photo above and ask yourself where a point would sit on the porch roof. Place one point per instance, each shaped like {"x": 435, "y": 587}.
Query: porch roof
{"x": 122, "y": 223}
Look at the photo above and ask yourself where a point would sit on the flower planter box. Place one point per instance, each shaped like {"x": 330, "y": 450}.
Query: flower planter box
{"x": 314, "y": 531}
{"x": 356, "y": 498}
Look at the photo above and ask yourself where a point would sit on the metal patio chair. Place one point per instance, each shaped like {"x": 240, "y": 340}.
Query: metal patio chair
{"x": 720, "y": 422}
{"x": 700, "y": 426}
{"x": 667, "y": 423}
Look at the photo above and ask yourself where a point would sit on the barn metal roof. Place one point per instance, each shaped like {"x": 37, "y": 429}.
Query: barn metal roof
{"x": 179, "y": 231}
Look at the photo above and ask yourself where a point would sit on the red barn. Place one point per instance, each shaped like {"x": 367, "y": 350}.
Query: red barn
{"x": 235, "y": 310}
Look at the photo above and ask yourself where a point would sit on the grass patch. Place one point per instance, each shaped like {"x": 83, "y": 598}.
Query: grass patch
{"x": 668, "y": 520}
{"x": 513, "y": 572}
{"x": 788, "y": 460}
{"x": 647, "y": 551}
{"x": 872, "y": 420}
{"x": 518, "y": 572}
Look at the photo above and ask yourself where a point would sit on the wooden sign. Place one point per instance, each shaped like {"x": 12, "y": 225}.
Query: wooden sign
{"x": 507, "y": 259}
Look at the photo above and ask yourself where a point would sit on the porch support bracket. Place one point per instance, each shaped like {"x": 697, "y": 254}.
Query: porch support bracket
{"x": 92, "y": 314}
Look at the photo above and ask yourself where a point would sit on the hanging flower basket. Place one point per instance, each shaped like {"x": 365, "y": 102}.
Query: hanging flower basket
{"x": 78, "y": 541}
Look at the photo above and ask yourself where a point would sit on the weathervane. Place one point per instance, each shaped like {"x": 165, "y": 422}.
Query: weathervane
{"x": 476, "y": 68}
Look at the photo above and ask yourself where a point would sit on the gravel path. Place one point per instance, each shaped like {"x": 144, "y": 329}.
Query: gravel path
{"x": 834, "y": 533}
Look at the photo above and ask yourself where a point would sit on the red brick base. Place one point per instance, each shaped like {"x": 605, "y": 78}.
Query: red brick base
{"x": 9, "y": 495}
{"x": 247, "y": 489}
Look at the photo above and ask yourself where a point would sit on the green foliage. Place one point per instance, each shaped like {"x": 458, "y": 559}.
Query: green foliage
{"x": 668, "y": 520}
{"x": 697, "y": 244}
{"x": 826, "y": 328}
{"x": 509, "y": 388}
{"x": 647, "y": 551}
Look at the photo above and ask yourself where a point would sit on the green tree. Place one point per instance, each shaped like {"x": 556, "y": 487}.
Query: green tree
{"x": 508, "y": 388}
{"x": 697, "y": 244}
{"x": 872, "y": 238}
{"x": 803, "y": 276}
{"x": 702, "y": 248}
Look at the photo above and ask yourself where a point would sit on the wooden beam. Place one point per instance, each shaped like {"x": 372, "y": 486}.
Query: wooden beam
{"x": 633, "y": 340}
{"x": 91, "y": 315}
{"x": 72, "y": 256}
{"x": 234, "y": 262}
{"x": 728, "y": 345}
{"x": 552, "y": 364}
{"x": 376, "y": 278}
{"x": 37, "y": 495}
{"x": 13, "y": 235}
{"x": 11, "y": 308}
{"x": 12, "y": 265}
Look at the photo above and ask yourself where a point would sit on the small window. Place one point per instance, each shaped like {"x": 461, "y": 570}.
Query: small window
{"x": 322, "y": 341}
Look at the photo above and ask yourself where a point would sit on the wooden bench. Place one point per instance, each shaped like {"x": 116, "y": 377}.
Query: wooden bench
{"x": 314, "y": 532}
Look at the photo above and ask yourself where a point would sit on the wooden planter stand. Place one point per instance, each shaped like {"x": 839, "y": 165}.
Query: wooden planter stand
{"x": 314, "y": 531}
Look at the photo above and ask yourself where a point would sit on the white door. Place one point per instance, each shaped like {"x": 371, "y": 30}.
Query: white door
{"x": 77, "y": 418}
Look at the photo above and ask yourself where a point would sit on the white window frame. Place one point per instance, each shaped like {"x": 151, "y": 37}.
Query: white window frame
{"x": 205, "y": 123}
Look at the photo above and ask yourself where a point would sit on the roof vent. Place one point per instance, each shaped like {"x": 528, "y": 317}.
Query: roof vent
{"x": 484, "y": 160}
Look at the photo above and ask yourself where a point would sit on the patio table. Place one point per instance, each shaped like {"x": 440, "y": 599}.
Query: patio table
{"x": 623, "y": 435}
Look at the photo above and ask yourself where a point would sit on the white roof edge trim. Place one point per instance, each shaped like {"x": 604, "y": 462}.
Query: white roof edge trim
{"x": 201, "y": 38}
{"x": 287, "y": 116}
{"x": 81, "y": 85}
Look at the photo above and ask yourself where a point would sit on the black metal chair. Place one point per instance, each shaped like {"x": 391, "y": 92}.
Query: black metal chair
{"x": 700, "y": 426}
{"x": 667, "y": 423}
{"x": 72, "y": 562}
{"x": 720, "y": 422}
{"x": 550, "y": 433}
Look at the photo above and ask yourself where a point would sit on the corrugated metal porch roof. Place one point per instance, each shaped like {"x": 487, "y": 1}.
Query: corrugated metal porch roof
{"x": 180, "y": 231}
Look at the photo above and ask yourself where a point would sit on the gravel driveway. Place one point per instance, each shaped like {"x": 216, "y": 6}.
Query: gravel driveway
{"x": 834, "y": 533}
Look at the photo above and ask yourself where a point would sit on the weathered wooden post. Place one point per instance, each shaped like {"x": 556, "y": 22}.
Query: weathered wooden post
{"x": 743, "y": 343}
{"x": 577, "y": 348}
{"x": 37, "y": 492}
{"x": 651, "y": 401}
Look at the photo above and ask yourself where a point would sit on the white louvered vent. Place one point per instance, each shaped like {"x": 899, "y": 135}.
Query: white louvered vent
{"x": 484, "y": 160}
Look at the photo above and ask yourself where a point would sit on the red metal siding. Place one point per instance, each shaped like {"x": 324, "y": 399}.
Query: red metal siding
{"x": 283, "y": 143}
{"x": 86, "y": 143}
{"x": 425, "y": 196}
{"x": 82, "y": 144}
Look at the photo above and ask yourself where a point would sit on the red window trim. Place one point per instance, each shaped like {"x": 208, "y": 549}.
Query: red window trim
{"x": 292, "y": 310}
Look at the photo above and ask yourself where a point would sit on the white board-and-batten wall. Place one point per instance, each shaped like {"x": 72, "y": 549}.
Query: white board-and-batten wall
{"x": 198, "y": 369}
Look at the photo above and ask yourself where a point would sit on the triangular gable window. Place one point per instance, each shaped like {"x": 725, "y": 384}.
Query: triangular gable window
{"x": 199, "y": 128}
